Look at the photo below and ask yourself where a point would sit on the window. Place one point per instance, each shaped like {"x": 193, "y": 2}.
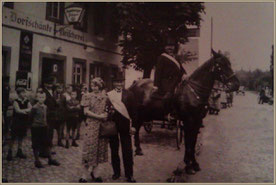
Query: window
{"x": 95, "y": 70}
{"x": 79, "y": 72}
{"x": 9, "y": 5}
{"x": 55, "y": 12}
{"x": 99, "y": 18}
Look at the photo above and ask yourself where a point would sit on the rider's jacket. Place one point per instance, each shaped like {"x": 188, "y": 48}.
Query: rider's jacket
{"x": 168, "y": 73}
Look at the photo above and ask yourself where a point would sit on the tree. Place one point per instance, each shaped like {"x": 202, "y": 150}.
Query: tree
{"x": 143, "y": 27}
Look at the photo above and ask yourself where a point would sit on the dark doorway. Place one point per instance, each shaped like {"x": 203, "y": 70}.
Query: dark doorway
{"x": 6, "y": 61}
{"x": 52, "y": 68}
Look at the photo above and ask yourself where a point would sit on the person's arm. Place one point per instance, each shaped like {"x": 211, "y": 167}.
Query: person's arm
{"x": 78, "y": 107}
{"x": 46, "y": 109}
{"x": 32, "y": 113}
{"x": 158, "y": 73}
{"x": 17, "y": 108}
{"x": 70, "y": 107}
{"x": 89, "y": 113}
{"x": 29, "y": 107}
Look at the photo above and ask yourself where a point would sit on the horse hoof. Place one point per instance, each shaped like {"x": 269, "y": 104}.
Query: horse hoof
{"x": 196, "y": 167}
{"x": 139, "y": 153}
{"x": 171, "y": 179}
{"x": 190, "y": 170}
{"x": 177, "y": 172}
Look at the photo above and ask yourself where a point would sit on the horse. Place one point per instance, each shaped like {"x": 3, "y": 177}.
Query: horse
{"x": 189, "y": 102}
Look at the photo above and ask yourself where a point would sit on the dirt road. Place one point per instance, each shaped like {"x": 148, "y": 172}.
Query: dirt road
{"x": 238, "y": 145}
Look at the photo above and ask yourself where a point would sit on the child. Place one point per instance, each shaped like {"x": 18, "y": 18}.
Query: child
{"x": 73, "y": 112}
{"x": 22, "y": 108}
{"x": 40, "y": 135}
{"x": 58, "y": 94}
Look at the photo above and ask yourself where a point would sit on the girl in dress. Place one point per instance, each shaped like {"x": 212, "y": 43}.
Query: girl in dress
{"x": 95, "y": 148}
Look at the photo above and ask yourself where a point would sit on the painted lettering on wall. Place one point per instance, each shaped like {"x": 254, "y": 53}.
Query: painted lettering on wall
{"x": 70, "y": 34}
{"x": 29, "y": 23}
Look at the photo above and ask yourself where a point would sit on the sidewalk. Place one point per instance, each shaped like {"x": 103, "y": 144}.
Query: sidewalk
{"x": 156, "y": 165}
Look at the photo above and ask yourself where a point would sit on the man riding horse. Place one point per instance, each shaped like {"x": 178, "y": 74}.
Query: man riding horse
{"x": 189, "y": 101}
{"x": 168, "y": 71}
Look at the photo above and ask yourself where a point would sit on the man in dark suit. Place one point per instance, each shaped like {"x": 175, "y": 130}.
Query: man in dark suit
{"x": 168, "y": 71}
{"x": 124, "y": 105}
{"x": 52, "y": 105}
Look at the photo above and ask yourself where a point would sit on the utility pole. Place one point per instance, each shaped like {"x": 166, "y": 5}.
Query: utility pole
{"x": 211, "y": 35}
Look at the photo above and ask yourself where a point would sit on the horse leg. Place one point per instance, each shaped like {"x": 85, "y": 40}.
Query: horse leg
{"x": 188, "y": 148}
{"x": 195, "y": 164}
{"x": 191, "y": 130}
{"x": 138, "y": 150}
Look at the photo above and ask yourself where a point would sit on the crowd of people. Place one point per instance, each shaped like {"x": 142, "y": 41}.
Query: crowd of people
{"x": 64, "y": 109}
{"x": 219, "y": 99}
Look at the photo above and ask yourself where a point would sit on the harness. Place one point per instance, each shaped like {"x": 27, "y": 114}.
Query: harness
{"x": 217, "y": 70}
{"x": 200, "y": 92}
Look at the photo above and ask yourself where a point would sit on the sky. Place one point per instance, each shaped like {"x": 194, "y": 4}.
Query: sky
{"x": 246, "y": 30}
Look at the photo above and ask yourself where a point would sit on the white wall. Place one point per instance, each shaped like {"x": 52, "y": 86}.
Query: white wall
{"x": 34, "y": 9}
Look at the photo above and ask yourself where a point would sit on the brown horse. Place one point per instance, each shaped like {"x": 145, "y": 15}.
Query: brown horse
{"x": 189, "y": 102}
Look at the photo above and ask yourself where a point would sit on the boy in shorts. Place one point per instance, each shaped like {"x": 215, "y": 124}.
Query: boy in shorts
{"x": 73, "y": 113}
{"x": 40, "y": 132}
{"x": 21, "y": 110}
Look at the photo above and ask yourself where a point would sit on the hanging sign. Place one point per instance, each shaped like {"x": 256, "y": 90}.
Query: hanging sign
{"x": 25, "y": 53}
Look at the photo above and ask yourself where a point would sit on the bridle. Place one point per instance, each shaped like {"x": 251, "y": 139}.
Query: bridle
{"x": 217, "y": 70}
{"x": 200, "y": 91}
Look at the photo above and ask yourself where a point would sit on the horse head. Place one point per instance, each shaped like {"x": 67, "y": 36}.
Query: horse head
{"x": 223, "y": 72}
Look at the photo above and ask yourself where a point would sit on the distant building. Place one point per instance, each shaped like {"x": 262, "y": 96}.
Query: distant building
{"x": 32, "y": 51}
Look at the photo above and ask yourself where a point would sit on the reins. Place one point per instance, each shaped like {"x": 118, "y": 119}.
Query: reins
{"x": 202, "y": 93}
{"x": 198, "y": 90}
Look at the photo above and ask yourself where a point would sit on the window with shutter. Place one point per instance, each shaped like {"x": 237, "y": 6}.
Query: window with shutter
{"x": 99, "y": 18}
{"x": 9, "y": 5}
{"x": 55, "y": 12}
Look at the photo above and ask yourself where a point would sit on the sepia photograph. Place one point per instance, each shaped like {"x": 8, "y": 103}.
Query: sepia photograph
{"x": 138, "y": 92}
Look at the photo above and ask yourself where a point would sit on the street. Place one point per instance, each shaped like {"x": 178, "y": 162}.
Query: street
{"x": 236, "y": 146}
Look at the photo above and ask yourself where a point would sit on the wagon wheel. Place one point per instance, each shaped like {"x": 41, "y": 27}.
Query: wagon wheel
{"x": 179, "y": 134}
{"x": 148, "y": 126}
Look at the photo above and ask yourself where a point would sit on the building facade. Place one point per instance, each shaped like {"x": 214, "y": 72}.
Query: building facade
{"x": 36, "y": 44}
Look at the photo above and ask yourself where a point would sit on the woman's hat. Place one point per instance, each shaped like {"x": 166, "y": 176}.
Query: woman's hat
{"x": 98, "y": 81}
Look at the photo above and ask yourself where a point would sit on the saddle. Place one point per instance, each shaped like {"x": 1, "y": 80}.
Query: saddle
{"x": 149, "y": 98}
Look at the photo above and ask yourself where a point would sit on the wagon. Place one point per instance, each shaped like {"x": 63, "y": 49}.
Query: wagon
{"x": 172, "y": 125}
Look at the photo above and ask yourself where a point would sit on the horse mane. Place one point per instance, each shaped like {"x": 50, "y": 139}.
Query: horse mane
{"x": 207, "y": 63}
{"x": 203, "y": 66}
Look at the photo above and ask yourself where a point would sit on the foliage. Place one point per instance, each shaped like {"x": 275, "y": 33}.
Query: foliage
{"x": 144, "y": 26}
{"x": 254, "y": 80}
